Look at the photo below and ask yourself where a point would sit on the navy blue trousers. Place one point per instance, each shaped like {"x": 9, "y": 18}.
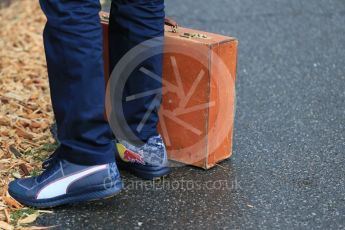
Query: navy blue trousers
{"x": 73, "y": 47}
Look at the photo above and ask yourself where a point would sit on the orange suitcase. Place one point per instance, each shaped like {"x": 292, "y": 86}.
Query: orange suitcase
{"x": 198, "y": 108}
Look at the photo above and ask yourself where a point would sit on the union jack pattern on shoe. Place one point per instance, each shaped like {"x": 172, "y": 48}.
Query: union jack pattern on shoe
{"x": 147, "y": 161}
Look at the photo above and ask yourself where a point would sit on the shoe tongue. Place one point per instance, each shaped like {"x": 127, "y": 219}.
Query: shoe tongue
{"x": 50, "y": 170}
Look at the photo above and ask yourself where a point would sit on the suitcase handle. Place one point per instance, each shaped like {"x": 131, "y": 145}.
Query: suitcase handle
{"x": 172, "y": 23}
{"x": 167, "y": 21}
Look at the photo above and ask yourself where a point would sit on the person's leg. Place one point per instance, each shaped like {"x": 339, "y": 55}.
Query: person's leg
{"x": 73, "y": 45}
{"x": 83, "y": 168}
{"x": 131, "y": 23}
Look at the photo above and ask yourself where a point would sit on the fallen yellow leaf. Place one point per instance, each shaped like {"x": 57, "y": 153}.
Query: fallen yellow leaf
{"x": 5, "y": 226}
{"x": 4, "y": 121}
{"x": 38, "y": 227}
{"x": 45, "y": 211}
{"x": 29, "y": 219}
{"x": 7, "y": 215}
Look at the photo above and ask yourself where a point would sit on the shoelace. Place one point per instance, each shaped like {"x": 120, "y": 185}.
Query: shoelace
{"x": 49, "y": 167}
{"x": 49, "y": 161}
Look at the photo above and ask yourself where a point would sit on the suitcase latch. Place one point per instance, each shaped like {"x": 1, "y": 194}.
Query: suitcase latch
{"x": 194, "y": 35}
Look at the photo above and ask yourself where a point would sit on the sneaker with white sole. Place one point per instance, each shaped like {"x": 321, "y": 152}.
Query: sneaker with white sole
{"x": 63, "y": 182}
{"x": 146, "y": 161}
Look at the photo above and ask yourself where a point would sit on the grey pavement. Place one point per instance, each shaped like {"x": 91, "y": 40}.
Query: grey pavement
{"x": 288, "y": 167}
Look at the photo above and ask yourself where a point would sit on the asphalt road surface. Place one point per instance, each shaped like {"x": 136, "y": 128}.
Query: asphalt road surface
{"x": 288, "y": 167}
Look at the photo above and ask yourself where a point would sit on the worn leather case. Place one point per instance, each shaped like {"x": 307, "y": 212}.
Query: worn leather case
{"x": 198, "y": 107}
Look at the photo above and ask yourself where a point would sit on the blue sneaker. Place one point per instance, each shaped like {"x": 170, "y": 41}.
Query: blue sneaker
{"x": 63, "y": 182}
{"x": 147, "y": 161}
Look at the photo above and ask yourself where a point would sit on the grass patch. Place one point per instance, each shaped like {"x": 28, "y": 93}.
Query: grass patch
{"x": 49, "y": 147}
{"x": 41, "y": 153}
{"x": 35, "y": 172}
{"x": 18, "y": 214}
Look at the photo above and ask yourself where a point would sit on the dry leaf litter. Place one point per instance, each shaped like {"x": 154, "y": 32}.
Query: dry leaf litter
{"x": 25, "y": 108}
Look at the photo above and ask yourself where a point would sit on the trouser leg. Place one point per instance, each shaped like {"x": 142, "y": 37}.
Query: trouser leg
{"x": 73, "y": 46}
{"x": 131, "y": 23}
